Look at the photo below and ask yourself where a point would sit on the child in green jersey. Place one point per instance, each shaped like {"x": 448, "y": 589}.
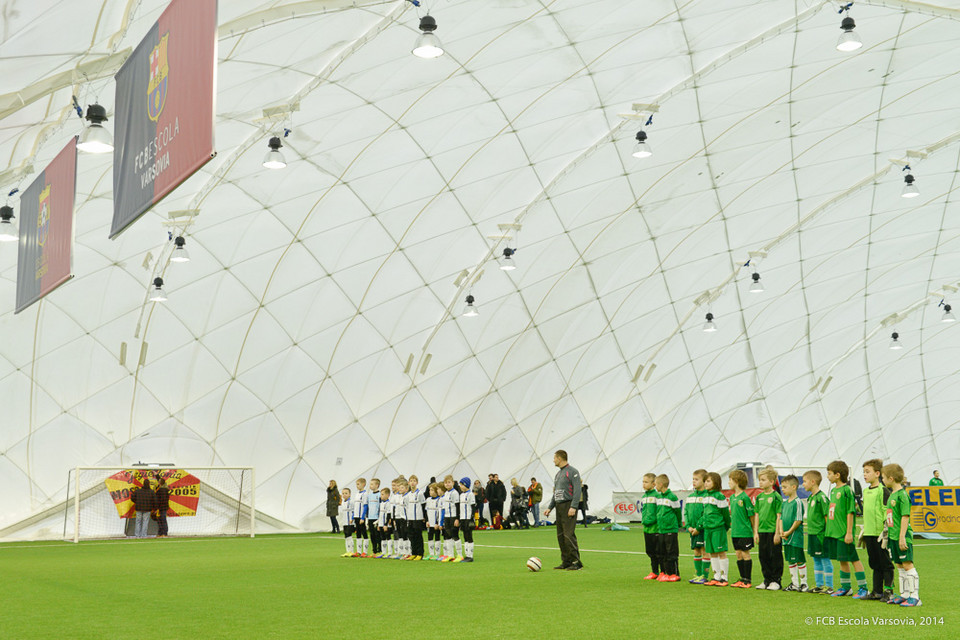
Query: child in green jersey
{"x": 716, "y": 521}
{"x": 668, "y": 526}
{"x": 838, "y": 536}
{"x": 875, "y": 497}
{"x": 900, "y": 537}
{"x": 817, "y": 507}
{"x": 693, "y": 515}
{"x": 767, "y": 505}
{"x": 743, "y": 526}
{"x": 648, "y": 516}
{"x": 790, "y": 525}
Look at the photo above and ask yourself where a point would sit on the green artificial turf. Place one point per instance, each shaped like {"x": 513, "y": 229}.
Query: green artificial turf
{"x": 298, "y": 586}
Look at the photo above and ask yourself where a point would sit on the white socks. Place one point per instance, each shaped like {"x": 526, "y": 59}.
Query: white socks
{"x": 724, "y": 564}
{"x": 458, "y": 547}
{"x": 366, "y": 546}
{"x": 802, "y": 570}
{"x": 349, "y": 545}
{"x": 902, "y": 577}
{"x": 448, "y": 547}
{"x": 794, "y": 575}
{"x": 468, "y": 549}
{"x": 715, "y": 565}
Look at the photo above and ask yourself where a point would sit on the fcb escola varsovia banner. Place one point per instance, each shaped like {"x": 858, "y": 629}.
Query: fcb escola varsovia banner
{"x": 164, "y": 109}
{"x": 46, "y": 228}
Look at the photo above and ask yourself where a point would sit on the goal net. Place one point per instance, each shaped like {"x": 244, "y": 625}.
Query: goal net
{"x": 203, "y": 501}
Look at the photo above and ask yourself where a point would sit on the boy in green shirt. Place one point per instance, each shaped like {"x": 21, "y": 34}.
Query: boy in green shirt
{"x": 838, "y": 536}
{"x": 900, "y": 537}
{"x": 743, "y": 526}
{"x": 768, "y": 505}
{"x": 716, "y": 521}
{"x": 790, "y": 525}
{"x": 817, "y": 507}
{"x": 648, "y": 516}
{"x": 875, "y": 498}
{"x": 693, "y": 515}
{"x": 668, "y": 526}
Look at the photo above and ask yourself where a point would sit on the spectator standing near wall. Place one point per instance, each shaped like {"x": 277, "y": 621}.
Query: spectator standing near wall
{"x": 144, "y": 501}
{"x": 333, "y": 504}
{"x": 535, "y": 493}
{"x": 163, "y": 503}
{"x": 935, "y": 481}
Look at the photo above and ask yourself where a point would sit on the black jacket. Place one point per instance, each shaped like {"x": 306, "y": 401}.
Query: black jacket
{"x": 144, "y": 499}
{"x": 163, "y": 499}
{"x": 491, "y": 491}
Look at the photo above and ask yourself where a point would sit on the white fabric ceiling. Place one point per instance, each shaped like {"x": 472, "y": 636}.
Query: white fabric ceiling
{"x": 285, "y": 340}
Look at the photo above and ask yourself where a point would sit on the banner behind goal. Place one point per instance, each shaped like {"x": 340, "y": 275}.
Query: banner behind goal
{"x": 204, "y": 501}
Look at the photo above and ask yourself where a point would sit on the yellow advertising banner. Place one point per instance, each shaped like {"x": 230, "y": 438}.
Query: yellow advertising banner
{"x": 935, "y": 509}
{"x": 184, "y": 490}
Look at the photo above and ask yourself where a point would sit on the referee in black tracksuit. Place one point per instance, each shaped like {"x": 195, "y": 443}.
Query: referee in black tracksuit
{"x": 566, "y": 499}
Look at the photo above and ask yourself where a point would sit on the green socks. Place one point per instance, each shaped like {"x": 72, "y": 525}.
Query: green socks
{"x": 698, "y": 566}
{"x": 844, "y": 579}
{"x": 862, "y": 579}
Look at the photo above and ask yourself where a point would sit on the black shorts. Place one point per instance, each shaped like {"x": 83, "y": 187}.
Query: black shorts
{"x": 742, "y": 544}
{"x": 348, "y": 530}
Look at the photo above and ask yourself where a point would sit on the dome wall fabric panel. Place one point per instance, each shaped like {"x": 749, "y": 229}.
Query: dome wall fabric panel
{"x": 316, "y": 333}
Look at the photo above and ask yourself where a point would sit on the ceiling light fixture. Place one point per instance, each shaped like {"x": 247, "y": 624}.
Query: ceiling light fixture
{"x": 470, "y": 311}
{"x": 895, "y": 343}
{"x": 95, "y": 138}
{"x": 849, "y": 40}
{"x": 756, "y": 286}
{"x": 947, "y": 314}
{"x": 910, "y": 190}
{"x": 157, "y": 294}
{"x": 8, "y": 228}
{"x": 180, "y": 253}
{"x": 709, "y": 326}
{"x": 274, "y": 159}
{"x": 428, "y": 44}
{"x": 642, "y": 149}
{"x": 508, "y": 263}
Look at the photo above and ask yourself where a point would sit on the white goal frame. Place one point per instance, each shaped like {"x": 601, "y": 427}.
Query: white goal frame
{"x": 77, "y": 497}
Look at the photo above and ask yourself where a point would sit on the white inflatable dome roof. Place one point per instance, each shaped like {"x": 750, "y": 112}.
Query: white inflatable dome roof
{"x": 317, "y": 333}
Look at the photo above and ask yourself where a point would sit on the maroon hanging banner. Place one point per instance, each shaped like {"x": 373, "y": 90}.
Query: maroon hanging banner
{"x": 46, "y": 229}
{"x": 164, "y": 109}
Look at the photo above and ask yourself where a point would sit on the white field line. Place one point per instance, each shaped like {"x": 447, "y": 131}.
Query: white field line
{"x": 167, "y": 541}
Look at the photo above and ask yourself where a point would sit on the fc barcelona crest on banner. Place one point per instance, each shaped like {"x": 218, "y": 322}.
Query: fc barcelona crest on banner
{"x": 43, "y": 220}
{"x": 157, "y": 86}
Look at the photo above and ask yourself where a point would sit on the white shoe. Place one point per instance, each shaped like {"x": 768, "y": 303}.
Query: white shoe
{"x": 773, "y": 586}
{"x": 762, "y": 585}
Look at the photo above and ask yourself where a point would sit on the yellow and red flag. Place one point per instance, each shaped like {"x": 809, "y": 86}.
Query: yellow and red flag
{"x": 184, "y": 490}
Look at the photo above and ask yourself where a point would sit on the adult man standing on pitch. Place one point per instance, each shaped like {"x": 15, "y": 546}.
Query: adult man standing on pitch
{"x": 566, "y": 498}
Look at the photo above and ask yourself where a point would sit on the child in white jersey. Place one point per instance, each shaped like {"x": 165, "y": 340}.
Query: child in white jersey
{"x": 414, "y": 507}
{"x": 451, "y": 521}
{"x": 385, "y": 524}
{"x": 467, "y": 504}
{"x": 433, "y": 523}
{"x": 346, "y": 516}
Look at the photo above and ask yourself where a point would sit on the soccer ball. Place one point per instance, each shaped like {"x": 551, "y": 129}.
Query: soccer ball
{"x": 534, "y": 564}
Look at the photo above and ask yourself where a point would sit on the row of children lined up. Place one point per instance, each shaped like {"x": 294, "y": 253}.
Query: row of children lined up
{"x": 776, "y": 526}
{"x": 395, "y": 519}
